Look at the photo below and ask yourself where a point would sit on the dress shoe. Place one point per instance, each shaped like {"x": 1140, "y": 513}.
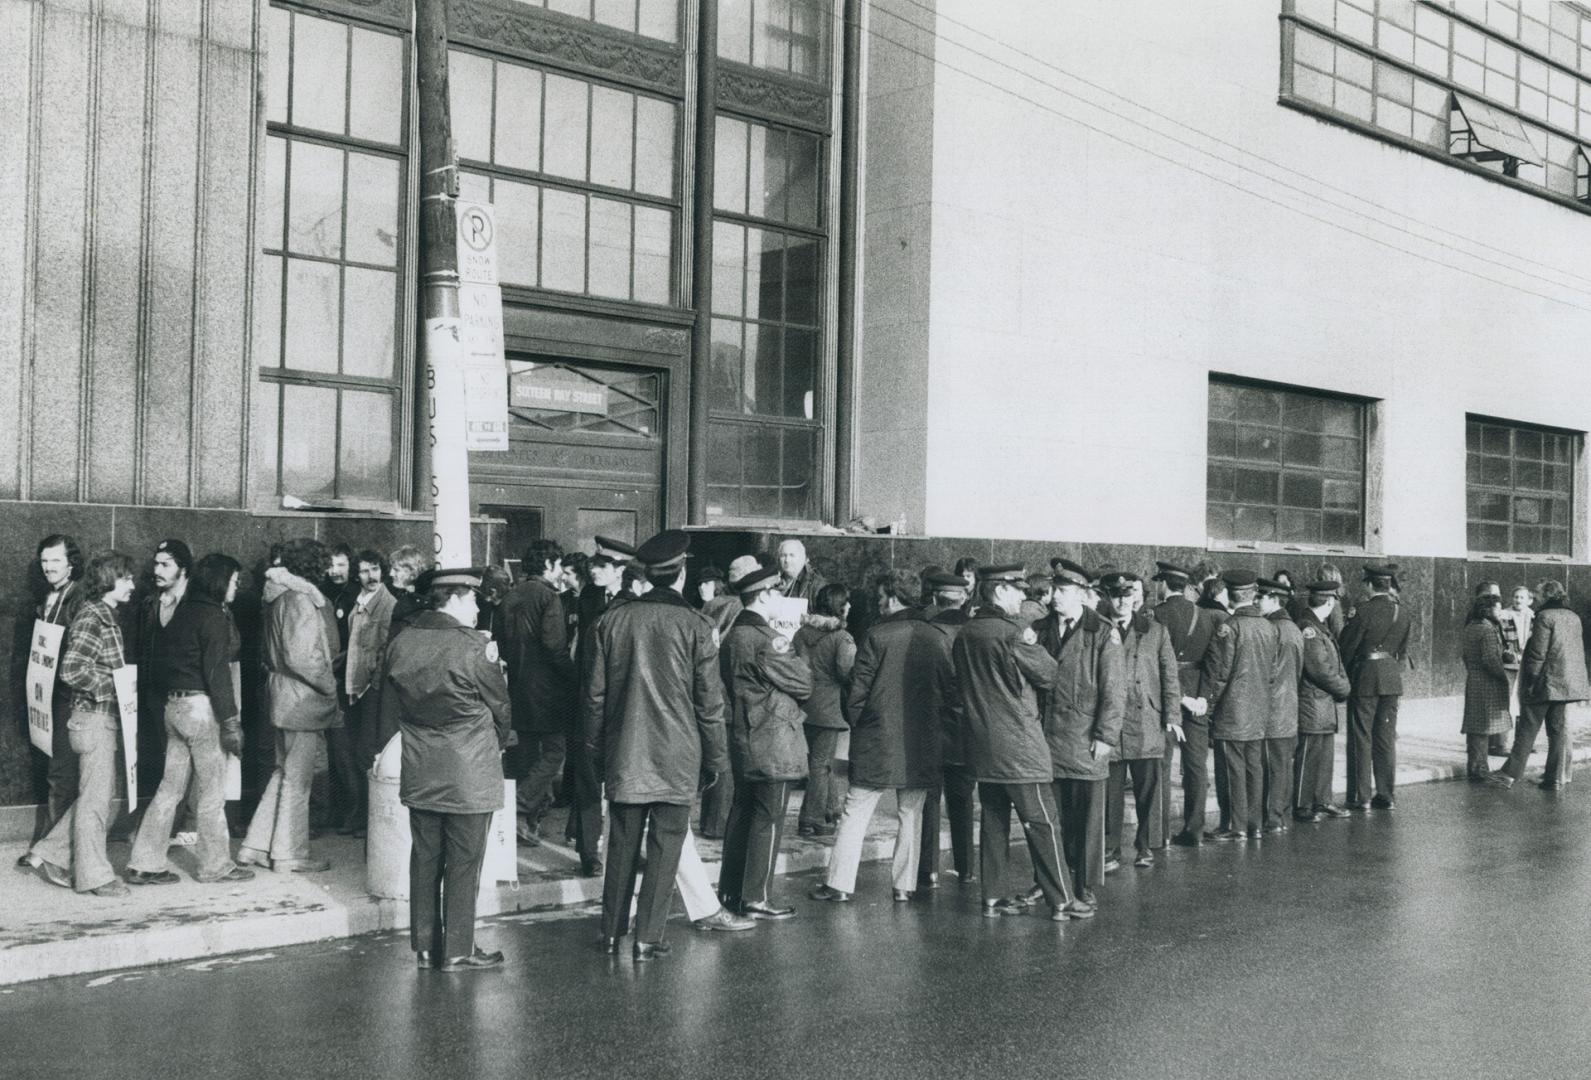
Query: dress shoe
{"x": 758, "y": 910}
{"x": 1383, "y": 802}
{"x": 725, "y": 920}
{"x": 804, "y": 831}
{"x": 475, "y": 961}
{"x": 1144, "y": 860}
{"x": 1274, "y": 828}
{"x": 1187, "y": 839}
{"x": 830, "y": 894}
{"x": 152, "y": 877}
{"x": 28, "y": 861}
{"x": 1256, "y": 834}
{"x": 993, "y": 909}
{"x": 237, "y": 873}
{"x": 927, "y": 882}
{"x": 590, "y": 867}
{"x": 1544, "y": 785}
{"x": 1225, "y": 836}
{"x": 1307, "y": 817}
{"x": 423, "y": 960}
{"x": 1357, "y": 806}
{"x": 1500, "y": 779}
{"x": 1112, "y": 864}
{"x": 309, "y": 866}
{"x": 1073, "y": 910}
{"x": 1332, "y": 810}
{"x": 1031, "y": 897}
{"x": 1086, "y": 896}
{"x": 966, "y": 879}
{"x": 55, "y": 875}
{"x": 649, "y": 950}
{"x": 901, "y": 896}
{"x": 609, "y": 945}
{"x": 113, "y": 887}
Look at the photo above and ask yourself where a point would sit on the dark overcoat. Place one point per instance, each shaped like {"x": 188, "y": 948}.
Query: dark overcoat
{"x": 1373, "y": 644}
{"x": 765, "y": 681}
{"x": 1154, "y": 694}
{"x": 1283, "y": 721}
{"x": 541, "y": 674}
{"x": 1323, "y": 687}
{"x": 1239, "y": 673}
{"x": 1000, "y": 669}
{"x": 1554, "y": 665}
{"x": 831, "y": 651}
{"x": 1086, "y": 701}
{"x": 1486, "y": 691}
{"x": 898, "y": 690}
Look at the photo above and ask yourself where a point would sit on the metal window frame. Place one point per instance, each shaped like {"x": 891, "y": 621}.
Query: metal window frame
{"x": 1572, "y": 495}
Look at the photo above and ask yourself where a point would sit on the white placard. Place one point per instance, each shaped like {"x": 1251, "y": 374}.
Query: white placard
{"x": 477, "y": 243}
{"x": 44, "y": 656}
{"x": 126, "y": 680}
{"x": 234, "y": 763}
{"x": 485, "y": 371}
{"x": 501, "y": 862}
{"x": 786, "y": 615}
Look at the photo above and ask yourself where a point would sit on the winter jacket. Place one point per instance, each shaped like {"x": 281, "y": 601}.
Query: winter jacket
{"x": 1154, "y": 689}
{"x": 831, "y": 651}
{"x": 1486, "y": 690}
{"x": 1239, "y": 675}
{"x": 952, "y": 723}
{"x": 299, "y": 654}
{"x": 1089, "y": 695}
{"x": 1373, "y": 645}
{"x": 1001, "y": 668}
{"x": 1554, "y": 665}
{"x": 764, "y": 680}
{"x": 653, "y": 707}
{"x": 1283, "y": 721}
{"x": 898, "y": 690}
{"x": 1323, "y": 686}
{"x": 541, "y": 673}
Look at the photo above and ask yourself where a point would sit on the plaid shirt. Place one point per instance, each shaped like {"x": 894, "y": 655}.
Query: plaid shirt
{"x": 1514, "y": 634}
{"x": 93, "y": 651}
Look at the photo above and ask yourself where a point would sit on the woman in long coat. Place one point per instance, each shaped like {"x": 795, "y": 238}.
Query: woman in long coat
{"x": 831, "y": 651}
{"x": 1486, "y": 685}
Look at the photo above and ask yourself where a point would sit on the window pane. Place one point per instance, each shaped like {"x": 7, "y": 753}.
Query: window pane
{"x": 1254, "y": 523}
{"x": 723, "y": 459}
{"x": 1301, "y": 490}
{"x": 660, "y": 19}
{"x": 315, "y": 215}
{"x": 654, "y": 255}
{"x": 1222, "y": 439}
{"x": 765, "y": 183}
{"x": 770, "y": 34}
{"x": 1301, "y": 449}
{"x": 800, "y": 372}
{"x": 728, "y": 360}
{"x": 1258, "y": 406}
{"x": 1218, "y": 520}
{"x": 370, "y": 300}
{"x": 1527, "y": 444}
{"x": 800, "y": 487}
{"x": 1299, "y": 526}
{"x": 734, "y": 32}
{"x": 612, "y": 129}
{"x": 365, "y": 468}
{"x": 654, "y": 147}
{"x": 761, "y": 494}
{"x": 320, "y": 73}
{"x": 473, "y": 187}
{"x": 469, "y": 85}
{"x": 517, "y": 228}
{"x": 808, "y": 36}
{"x": 1255, "y": 486}
{"x": 1342, "y": 529}
{"x": 267, "y": 399}
{"x": 729, "y": 165}
{"x": 763, "y": 348}
{"x": 765, "y": 274}
{"x": 309, "y": 458}
{"x": 563, "y": 241}
{"x": 1341, "y": 494}
{"x": 565, "y": 135}
{"x": 617, "y": 13}
{"x": 729, "y": 268}
{"x": 610, "y": 248}
{"x": 268, "y": 311}
{"x": 278, "y": 31}
{"x": 373, "y": 198}
{"x": 375, "y": 98}
{"x": 273, "y": 195}
{"x": 1219, "y": 482}
{"x": 1223, "y": 401}
{"x": 803, "y": 180}
{"x": 517, "y": 140}
{"x": 803, "y": 291}
{"x": 1258, "y": 444}
{"x": 312, "y": 316}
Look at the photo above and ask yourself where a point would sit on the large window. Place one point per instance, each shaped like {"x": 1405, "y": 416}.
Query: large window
{"x": 582, "y": 175}
{"x": 650, "y": 18}
{"x": 1502, "y": 85}
{"x": 768, "y": 254}
{"x": 781, "y": 35}
{"x": 329, "y": 296}
{"x": 1519, "y": 483}
{"x": 1285, "y": 466}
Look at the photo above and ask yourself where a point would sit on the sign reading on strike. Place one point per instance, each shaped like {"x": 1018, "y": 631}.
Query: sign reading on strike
{"x": 44, "y": 653}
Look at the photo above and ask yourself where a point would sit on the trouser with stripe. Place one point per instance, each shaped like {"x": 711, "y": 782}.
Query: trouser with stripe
{"x": 1034, "y": 804}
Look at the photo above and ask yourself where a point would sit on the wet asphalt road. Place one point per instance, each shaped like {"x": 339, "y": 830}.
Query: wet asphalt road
{"x": 1449, "y": 938}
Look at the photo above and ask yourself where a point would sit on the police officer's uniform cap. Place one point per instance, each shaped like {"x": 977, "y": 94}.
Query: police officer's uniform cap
{"x": 1271, "y": 587}
{"x": 468, "y": 576}
{"x": 1118, "y": 584}
{"x": 1171, "y": 573}
{"x": 1010, "y": 573}
{"x": 665, "y": 551}
{"x": 1324, "y": 588}
{"x": 941, "y": 579}
{"x": 1384, "y": 570}
{"x": 1067, "y": 572}
{"x": 764, "y": 577}
{"x": 607, "y": 543}
{"x": 1239, "y": 579}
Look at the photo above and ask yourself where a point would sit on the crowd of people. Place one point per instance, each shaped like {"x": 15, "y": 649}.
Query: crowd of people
{"x": 594, "y": 682}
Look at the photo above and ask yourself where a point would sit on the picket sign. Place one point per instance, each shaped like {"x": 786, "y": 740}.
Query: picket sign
{"x": 126, "y": 680}
{"x": 44, "y": 654}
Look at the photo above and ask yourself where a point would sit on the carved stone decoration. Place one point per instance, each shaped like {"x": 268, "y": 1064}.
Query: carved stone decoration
{"x": 664, "y": 339}
{"x": 744, "y": 89}
{"x": 393, "y": 12}
{"x": 535, "y": 35}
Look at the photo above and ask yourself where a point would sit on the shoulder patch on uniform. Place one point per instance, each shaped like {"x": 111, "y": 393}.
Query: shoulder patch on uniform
{"x": 1223, "y": 630}
{"x": 1309, "y": 633}
{"x": 780, "y": 645}
{"x": 1029, "y": 637}
{"x": 491, "y": 651}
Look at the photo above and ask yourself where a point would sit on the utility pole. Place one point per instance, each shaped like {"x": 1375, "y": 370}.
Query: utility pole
{"x": 443, "y": 474}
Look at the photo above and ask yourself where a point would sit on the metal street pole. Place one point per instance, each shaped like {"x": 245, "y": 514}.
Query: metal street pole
{"x": 442, "y": 476}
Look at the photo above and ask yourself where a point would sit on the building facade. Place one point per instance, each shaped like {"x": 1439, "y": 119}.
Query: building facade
{"x": 1274, "y": 285}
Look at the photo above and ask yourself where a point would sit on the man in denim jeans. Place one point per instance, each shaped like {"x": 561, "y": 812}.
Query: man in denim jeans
{"x": 195, "y": 649}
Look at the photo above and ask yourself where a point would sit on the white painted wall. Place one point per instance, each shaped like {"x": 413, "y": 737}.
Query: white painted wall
{"x": 1089, "y": 270}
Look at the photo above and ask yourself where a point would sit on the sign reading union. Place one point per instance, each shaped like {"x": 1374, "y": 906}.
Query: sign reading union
{"x": 540, "y": 386}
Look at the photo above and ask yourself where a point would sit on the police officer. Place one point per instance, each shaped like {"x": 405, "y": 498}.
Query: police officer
{"x": 1151, "y": 710}
{"x": 1281, "y": 728}
{"x": 1321, "y": 693}
{"x": 1000, "y": 668}
{"x": 1082, "y": 718}
{"x": 653, "y": 718}
{"x": 1240, "y": 672}
{"x": 444, "y": 690}
{"x": 1191, "y": 627}
{"x": 1374, "y": 643}
{"x": 948, "y": 615}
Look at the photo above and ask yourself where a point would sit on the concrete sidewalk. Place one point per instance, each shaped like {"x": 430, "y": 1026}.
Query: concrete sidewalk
{"x": 46, "y": 931}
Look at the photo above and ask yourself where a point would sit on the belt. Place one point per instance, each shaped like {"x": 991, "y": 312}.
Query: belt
{"x": 186, "y": 693}
{"x": 1380, "y": 654}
